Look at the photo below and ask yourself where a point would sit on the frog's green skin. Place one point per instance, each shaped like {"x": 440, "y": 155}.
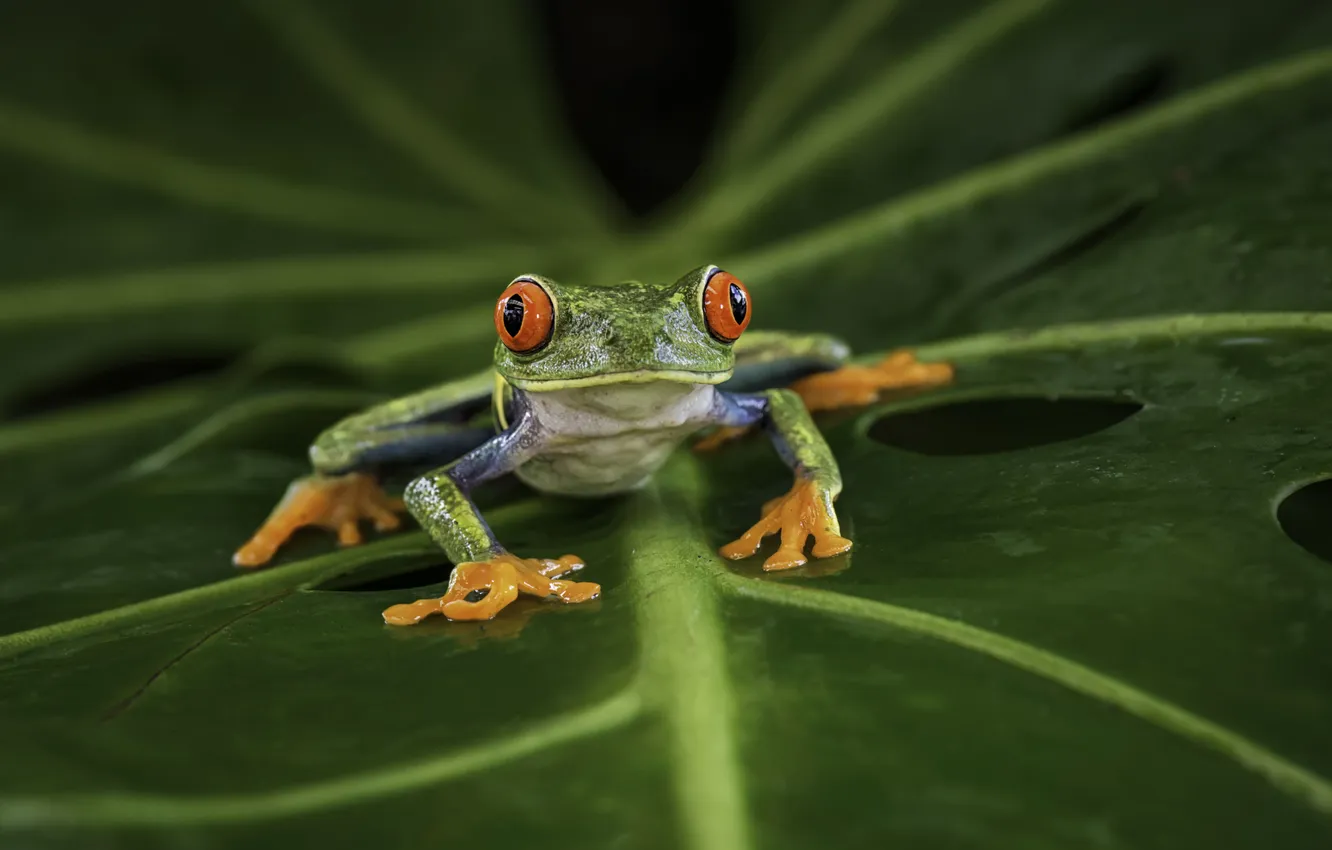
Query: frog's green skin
{"x": 629, "y": 372}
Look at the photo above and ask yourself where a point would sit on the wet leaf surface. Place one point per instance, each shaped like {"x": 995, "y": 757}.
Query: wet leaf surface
{"x": 1089, "y": 603}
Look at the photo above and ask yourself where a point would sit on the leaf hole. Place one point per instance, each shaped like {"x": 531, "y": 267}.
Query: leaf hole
{"x": 375, "y": 578}
{"x": 1127, "y": 92}
{"x": 107, "y": 381}
{"x": 661, "y": 67}
{"x": 993, "y": 425}
{"x": 1306, "y": 518}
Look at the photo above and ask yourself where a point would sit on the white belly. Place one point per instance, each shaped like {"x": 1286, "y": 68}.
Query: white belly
{"x": 610, "y": 439}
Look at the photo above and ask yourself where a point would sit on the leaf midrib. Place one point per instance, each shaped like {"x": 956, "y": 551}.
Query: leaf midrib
{"x": 676, "y": 584}
{"x": 697, "y": 596}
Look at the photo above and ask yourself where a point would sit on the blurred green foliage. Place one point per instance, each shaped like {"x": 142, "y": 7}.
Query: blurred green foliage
{"x": 1098, "y": 642}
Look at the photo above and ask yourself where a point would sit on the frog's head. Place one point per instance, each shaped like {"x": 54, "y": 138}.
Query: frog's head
{"x": 554, "y": 336}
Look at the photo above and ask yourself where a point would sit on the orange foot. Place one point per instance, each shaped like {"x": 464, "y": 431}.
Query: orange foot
{"x": 721, "y": 436}
{"x": 479, "y": 590}
{"x": 853, "y": 386}
{"x": 337, "y": 504}
{"x": 805, "y": 510}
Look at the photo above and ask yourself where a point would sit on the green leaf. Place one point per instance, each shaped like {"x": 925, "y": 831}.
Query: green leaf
{"x": 1072, "y": 616}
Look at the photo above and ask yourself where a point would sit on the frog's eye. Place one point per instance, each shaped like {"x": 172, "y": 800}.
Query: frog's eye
{"x": 726, "y": 306}
{"x": 524, "y": 317}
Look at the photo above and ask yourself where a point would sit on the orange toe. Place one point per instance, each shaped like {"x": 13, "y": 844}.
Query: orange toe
{"x": 479, "y": 590}
{"x": 334, "y": 503}
{"x": 855, "y": 386}
{"x": 720, "y": 437}
{"x": 804, "y": 511}
{"x": 411, "y": 613}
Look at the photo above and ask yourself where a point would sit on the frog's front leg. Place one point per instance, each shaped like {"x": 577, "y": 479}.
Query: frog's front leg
{"x": 804, "y": 511}
{"x": 487, "y": 577}
{"x": 426, "y": 428}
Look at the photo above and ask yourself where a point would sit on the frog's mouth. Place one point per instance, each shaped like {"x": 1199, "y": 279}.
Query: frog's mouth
{"x": 638, "y": 376}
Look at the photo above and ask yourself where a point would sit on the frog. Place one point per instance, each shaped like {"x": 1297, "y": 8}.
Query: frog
{"x": 591, "y": 390}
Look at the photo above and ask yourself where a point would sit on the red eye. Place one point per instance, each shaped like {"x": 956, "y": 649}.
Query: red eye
{"x": 524, "y": 317}
{"x": 726, "y": 307}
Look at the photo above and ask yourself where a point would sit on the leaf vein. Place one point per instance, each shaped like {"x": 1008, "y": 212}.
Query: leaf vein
{"x": 57, "y": 142}
{"x": 122, "y": 706}
{"x": 96, "y": 296}
{"x": 239, "y": 588}
{"x": 793, "y": 82}
{"x": 827, "y": 136}
{"x": 901, "y": 214}
{"x": 391, "y": 114}
{"x": 684, "y": 670}
{"x": 128, "y": 809}
{"x": 1288, "y": 777}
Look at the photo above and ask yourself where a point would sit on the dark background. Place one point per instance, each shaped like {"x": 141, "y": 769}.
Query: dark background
{"x": 641, "y": 85}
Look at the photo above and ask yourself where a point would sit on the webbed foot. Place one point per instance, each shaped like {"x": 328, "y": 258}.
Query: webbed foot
{"x": 478, "y": 590}
{"x": 805, "y": 510}
{"x": 720, "y": 436}
{"x": 335, "y": 503}
{"x": 854, "y": 386}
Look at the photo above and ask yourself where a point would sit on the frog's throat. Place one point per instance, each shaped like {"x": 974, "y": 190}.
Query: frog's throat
{"x": 639, "y": 376}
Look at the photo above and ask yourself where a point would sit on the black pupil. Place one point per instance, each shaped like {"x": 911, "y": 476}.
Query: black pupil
{"x": 513, "y": 314}
{"x": 739, "y": 304}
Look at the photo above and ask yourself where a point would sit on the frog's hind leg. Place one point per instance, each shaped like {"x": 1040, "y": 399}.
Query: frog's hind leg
{"x": 855, "y": 386}
{"x": 768, "y": 359}
{"x": 815, "y": 367}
